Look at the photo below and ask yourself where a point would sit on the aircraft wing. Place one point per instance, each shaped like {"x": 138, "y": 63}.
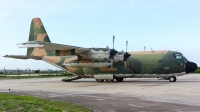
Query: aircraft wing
{"x": 23, "y": 57}
{"x": 52, "y": 46}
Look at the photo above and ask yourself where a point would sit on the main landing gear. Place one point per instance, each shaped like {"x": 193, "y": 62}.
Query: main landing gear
{"x": 102, "y": 80}
{"x": 119, "y": 79}
{"x": 172, "y": 79}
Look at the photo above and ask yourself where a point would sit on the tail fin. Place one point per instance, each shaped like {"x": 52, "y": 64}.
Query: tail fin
{"x": 38, "y": 33}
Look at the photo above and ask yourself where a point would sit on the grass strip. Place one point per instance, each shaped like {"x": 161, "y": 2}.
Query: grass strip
{"x": 15, "y": 103}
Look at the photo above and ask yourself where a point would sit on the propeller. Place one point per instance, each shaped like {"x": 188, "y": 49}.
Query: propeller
{"x": 113, "y": 52}
{"x": 126, "y": 55}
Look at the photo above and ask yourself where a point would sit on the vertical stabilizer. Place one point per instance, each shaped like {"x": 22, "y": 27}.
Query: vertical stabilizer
{"x": 38, "y": 33}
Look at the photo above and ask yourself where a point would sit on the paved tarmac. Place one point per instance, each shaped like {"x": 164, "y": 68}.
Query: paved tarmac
{"x": 128, "y": 96}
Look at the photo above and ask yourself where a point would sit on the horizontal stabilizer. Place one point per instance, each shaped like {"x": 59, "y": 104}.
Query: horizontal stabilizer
{"x": 23, "y": 57}
{"x": 30, "y": 45}
{"x": 91, "y": 65}
{"x": 52, "y": 46}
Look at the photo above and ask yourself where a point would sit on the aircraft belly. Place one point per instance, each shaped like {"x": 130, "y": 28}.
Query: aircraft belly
{"x": 107, "y": 70}
{"x": 157, "y": 75}
{"x": 123, "y": 75}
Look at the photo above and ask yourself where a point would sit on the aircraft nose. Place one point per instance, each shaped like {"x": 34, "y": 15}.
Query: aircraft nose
{"x": 190, "y": 67}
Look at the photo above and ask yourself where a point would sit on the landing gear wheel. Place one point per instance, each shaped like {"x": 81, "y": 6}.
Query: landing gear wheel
{"x": 99, "y": 80}
{"x": 107, "y": 80}
{"x": 172, "y": 79}
{"x": 120, "y": 79}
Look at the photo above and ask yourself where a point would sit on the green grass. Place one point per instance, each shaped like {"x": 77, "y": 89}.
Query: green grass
{"x": 20, "y": 73}
{"x": 26, "y": 77}
{"x": 15, "y": 103}
{"x": 198, "y": 70}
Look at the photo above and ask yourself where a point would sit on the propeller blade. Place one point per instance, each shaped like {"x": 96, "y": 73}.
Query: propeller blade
{"x": 113, "y": 41}
{"x": 125, "y": 64}
{"x": 111, "y": 63}
{"x": 126, "y": 55}
{"x": 126, "y": 45}
{"x": 113, "y": 52}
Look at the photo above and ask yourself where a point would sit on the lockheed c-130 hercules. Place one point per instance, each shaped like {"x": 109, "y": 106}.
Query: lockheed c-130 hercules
{"x": 103, "y": 63}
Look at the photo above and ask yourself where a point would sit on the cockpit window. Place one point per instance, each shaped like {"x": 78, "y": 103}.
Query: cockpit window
{"x": 178, "y": 56}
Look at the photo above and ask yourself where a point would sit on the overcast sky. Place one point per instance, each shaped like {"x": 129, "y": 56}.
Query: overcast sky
{"x": 158, "y": 24}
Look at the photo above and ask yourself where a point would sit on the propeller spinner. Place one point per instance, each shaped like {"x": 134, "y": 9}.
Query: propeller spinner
{"x": 113, "y": 52}
{"x": 126, "y": 55}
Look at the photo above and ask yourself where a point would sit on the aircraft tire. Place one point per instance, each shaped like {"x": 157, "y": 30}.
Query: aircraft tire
{"x": 119, "y": 79}
{"x": 172, "y": 79}
{"x": 99, "y": 80}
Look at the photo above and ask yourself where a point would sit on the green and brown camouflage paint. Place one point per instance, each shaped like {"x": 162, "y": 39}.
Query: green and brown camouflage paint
{"x": 145, "y": 62}
{"x": 38, "y": 33}
{"x": 148, "y": 62}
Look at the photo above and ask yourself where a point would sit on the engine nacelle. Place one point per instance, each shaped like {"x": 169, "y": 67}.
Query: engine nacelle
{"x": 100, "y": 55}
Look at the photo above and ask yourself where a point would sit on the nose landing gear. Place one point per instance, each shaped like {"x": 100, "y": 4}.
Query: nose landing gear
{"x": 172, "y": 79}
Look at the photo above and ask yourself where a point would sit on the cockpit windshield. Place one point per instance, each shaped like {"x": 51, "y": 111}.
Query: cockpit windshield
{"x": 180, "y": 56}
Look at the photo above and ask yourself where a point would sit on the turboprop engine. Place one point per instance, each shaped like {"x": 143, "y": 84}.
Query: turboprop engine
{"x": 106, "y": 53}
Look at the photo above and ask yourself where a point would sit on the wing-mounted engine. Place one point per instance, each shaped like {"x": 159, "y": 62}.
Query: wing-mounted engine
{"x": 96, "y": 54}
{"x": 100, "y": 54}
{"x": 103, "y": 54}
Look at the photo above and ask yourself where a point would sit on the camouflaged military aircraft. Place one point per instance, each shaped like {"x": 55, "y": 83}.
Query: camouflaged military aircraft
{"x": 103, "y": 63}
